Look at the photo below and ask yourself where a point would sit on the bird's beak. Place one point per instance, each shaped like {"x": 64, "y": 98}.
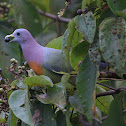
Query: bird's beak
{"x": 9, "y": 38}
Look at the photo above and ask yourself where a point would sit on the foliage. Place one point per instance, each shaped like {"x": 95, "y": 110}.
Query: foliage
{"x": 97, "y": 33}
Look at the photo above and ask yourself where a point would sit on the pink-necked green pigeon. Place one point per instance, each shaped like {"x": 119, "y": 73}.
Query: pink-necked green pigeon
{"x": 42, "y": 60}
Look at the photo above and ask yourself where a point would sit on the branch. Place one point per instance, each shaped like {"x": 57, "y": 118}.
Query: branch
{"x": 106, "y": 93}
{"x": 106, "y": 75}
{"x": 54, "y": 17}
{"x": 110, "y": 92}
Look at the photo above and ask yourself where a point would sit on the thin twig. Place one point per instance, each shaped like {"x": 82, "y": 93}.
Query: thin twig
{"x": 106, "y": 86}
{"x": 103, "y": 105}
{"x": 106, "y": 93}
{"x": 54, "y": 17}
{"x": 110, "y": 92}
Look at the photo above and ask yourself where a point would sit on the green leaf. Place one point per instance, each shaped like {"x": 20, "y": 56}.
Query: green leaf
{"x": 76, "y": 104}
{"x": 27, "y": 105}
{"x": 85, "y": 82}
{"x": 112, "y": 42}
{"x": 103, "y": 102}
{"x": 60, "y": 119}
{"x": 12, "y": 119}
{"x": 55, "y": 95}
{"x": 74, "y": 36}
{"x": 65, "y": 47}
{"x": 27, "y": 16}
{"x": 64, "y": 82}
{"x": 18, "y": 83}
{"x": 105, "y": 14}
{"x": 78, "y": 53}
{"x": 115, "y": 117}
{"x": 17, "y": 102}
{"x": 122, "y": 14}
{"x": 117, "y": 6}
{"x": 86, "y": 3}
{"x": 56, "y": 43}
{"x": 86, "y": 24}
{"x": 31, "y": 73}
{"x": 71, "y": 38}
{"x": 99, "y": 3}
{"x": 42, "y": 115}
{"x": 40, "y": 81}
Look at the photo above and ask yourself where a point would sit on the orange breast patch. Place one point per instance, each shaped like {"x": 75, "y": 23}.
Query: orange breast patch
{"x": 36, "y": 68}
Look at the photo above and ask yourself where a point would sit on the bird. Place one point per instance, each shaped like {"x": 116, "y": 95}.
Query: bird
{"x": 42, "y": 60}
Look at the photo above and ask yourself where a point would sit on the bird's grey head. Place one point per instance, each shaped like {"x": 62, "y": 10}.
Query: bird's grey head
{"x": 19, "y": 35}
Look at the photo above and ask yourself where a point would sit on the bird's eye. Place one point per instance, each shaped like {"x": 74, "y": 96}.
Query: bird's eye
{"x": 18, "y": 34}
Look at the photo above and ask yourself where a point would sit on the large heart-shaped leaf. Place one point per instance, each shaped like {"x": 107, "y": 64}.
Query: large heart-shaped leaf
{"x": 113, "y": 42}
